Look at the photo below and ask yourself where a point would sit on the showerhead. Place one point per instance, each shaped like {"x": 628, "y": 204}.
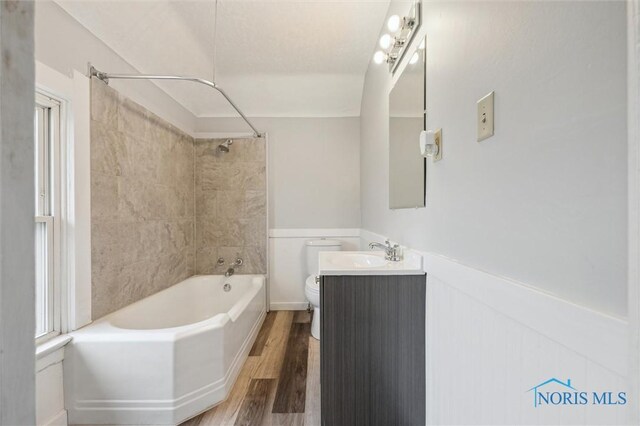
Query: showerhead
{"x": 224, "y": 146}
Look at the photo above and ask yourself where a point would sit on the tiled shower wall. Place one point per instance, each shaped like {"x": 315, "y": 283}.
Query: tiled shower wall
{"x": 165, "y": 206}
{"x": 142, "y": 202}
{"x": 231, "y": 205}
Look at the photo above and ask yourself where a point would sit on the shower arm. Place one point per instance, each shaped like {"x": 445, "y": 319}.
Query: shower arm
{"x": 105, "y": 77}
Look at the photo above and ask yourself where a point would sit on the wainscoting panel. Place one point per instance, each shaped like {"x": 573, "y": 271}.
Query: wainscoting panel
{"x": 481, "y": 361}
{"x": 287, "y": 262}
{"x": 490, "y": 339}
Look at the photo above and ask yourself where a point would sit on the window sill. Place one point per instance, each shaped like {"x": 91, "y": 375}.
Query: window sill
{"x": 51, "y": 352}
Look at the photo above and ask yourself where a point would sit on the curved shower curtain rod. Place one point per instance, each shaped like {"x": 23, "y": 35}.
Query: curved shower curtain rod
{"x": 93, "y": 72}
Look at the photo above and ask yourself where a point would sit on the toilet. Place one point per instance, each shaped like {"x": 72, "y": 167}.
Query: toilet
{"x": 311, "y": 287}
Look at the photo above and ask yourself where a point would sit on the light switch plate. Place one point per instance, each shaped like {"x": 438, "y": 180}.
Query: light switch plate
{"x": 485, "y": 117}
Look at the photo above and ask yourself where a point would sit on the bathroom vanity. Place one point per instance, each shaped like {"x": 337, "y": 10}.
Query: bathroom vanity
{"x": 372, "y": 340}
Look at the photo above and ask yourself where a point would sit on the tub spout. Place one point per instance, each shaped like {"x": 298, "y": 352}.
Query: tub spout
{"x": 229, "y": 272}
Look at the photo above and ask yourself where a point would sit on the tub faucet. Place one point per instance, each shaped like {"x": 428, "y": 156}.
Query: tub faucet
{"x": 392, "y": 253}
{"x": 236, "y": 264}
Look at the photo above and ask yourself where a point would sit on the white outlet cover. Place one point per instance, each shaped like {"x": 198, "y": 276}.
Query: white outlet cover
{"x": 485, "y": 117}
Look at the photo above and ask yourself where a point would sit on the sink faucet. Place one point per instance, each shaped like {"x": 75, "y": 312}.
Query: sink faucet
{"x": 392, "y": 253}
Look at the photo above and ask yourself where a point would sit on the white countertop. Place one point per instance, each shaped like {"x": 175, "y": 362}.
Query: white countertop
{"x": 368, "y": 263}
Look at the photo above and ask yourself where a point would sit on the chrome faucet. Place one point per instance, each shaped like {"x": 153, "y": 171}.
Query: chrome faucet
{"x": 392, "y": 253}
{"x": 236, "y": 264}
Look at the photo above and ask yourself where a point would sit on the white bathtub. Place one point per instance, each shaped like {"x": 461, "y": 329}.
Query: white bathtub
{"x": 165, "y": 358}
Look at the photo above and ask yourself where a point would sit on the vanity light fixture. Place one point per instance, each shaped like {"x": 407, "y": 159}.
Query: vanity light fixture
{"x": 402, "y": 30}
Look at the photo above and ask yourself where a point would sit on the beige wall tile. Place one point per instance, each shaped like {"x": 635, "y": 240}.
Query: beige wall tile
{"x": 206, "y": 261}
{"x": 241, "y": 204}
{"x": 109, "y": 151}
{"x": 133, "y": 119}
{"x": 105, "y": 196}
{"x": 105, "y": 104}
{"x": 164, "y": 206}
{"x": 231, "y": 205}
{"x": 206, "y": 203}
{"x": 142, "y": 201}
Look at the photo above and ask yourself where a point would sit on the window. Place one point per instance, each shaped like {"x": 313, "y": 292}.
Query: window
{"x": 47, "y": 216}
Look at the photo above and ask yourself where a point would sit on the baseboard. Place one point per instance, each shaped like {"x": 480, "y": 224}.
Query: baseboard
{"x": 59, "y": 419}
{"x": 289, "y": 306}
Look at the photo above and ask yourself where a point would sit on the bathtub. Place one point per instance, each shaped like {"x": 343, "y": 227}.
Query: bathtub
{"x": 167, "y": 357}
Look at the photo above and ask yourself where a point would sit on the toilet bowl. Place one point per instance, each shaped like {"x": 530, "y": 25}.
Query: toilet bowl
{"x": 311, "y": 287}
{"x": 312, "y": 291}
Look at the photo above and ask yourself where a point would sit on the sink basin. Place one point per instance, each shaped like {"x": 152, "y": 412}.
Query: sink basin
{"x": 357, "y": 260}
{"x": 368, "y": 263}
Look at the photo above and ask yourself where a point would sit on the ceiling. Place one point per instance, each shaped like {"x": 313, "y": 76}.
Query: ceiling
{"x": 273, "y": 58}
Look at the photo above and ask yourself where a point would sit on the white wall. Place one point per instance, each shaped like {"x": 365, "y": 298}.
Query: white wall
{"x": 50, "y": 409}
{"x": 314, "y": 169}
{"x": 288, "y": 262}
{"x": 544, "y": 200}
{"x": 17, "y": 257}
{"x": 63, "y": 44}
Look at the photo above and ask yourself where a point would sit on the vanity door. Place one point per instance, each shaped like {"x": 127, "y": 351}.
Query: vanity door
{"x": 372, "y": 349}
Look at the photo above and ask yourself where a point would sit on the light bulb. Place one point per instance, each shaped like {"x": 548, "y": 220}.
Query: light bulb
{"x": 385, "y": 41}
{"x": 422, "y": 44}
{"x": 379, "y": 57}
{"x": 414, "y": 58}
{"x": 393, "y": 24}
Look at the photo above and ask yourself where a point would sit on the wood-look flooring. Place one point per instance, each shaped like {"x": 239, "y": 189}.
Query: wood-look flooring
{"x": 279, "y": 384}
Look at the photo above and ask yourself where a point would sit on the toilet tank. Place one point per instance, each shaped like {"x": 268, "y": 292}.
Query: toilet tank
{"x": 314, "y": 247}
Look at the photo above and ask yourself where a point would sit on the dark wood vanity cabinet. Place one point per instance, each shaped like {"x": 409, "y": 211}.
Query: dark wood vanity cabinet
{"x": 372, "y": 346}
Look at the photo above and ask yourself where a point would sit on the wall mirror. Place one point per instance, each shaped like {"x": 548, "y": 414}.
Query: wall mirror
{"x": 407, "y": 168}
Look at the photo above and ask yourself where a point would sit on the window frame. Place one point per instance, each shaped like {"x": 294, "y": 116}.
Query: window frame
{"x": 50, "y": 210}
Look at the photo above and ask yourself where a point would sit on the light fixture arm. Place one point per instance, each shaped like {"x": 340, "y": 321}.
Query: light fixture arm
{"x": 105, "y": 77}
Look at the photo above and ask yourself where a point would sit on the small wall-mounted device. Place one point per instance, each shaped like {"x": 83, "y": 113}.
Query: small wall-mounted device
{"x": 431, "y": 144}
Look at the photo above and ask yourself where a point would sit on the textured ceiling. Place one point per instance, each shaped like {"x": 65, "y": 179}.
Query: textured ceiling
{"x": 274, "y": 58}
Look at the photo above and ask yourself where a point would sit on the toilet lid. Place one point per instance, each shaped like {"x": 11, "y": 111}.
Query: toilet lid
{"x": 311, "y": 283}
